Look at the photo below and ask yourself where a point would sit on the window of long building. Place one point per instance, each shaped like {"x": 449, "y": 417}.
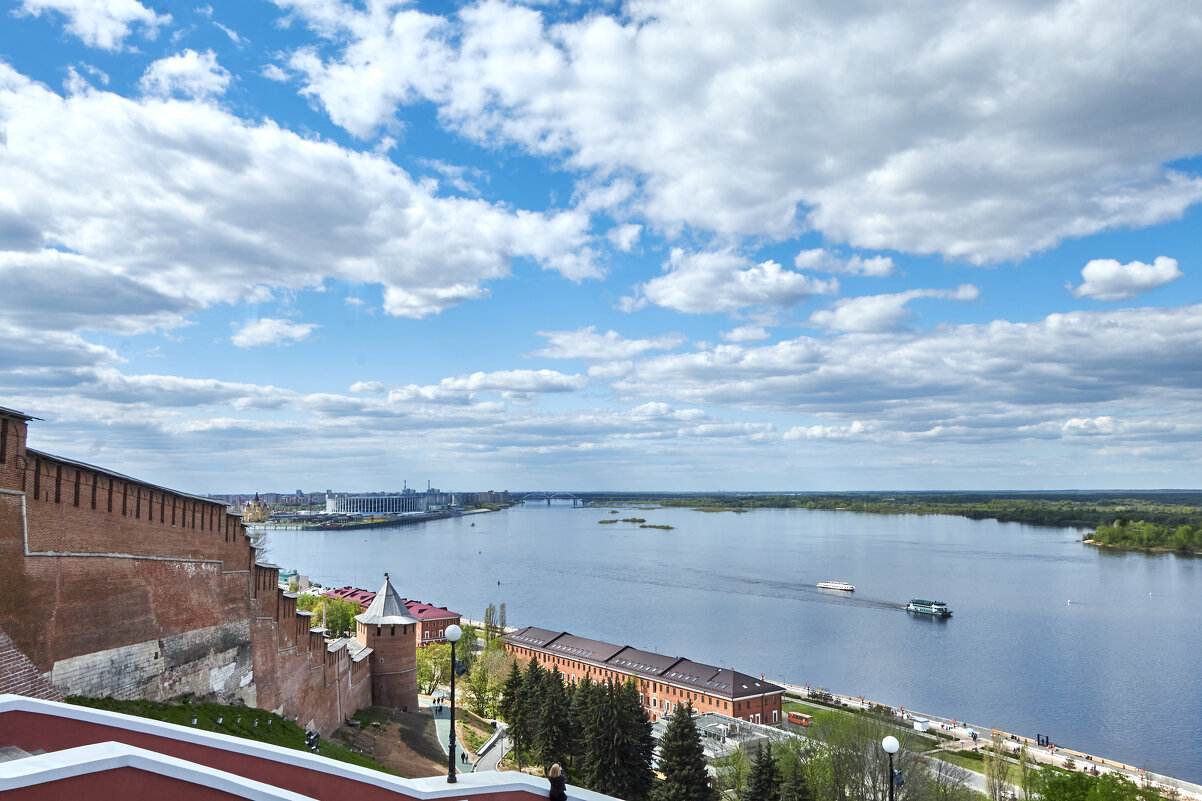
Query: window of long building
{"x": 3, "y": 441}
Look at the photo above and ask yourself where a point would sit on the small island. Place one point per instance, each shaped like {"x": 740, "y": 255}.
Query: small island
{"x": 1143, "y": 535}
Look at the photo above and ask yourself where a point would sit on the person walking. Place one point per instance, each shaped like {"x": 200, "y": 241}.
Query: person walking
{"x": 559, "y": 784}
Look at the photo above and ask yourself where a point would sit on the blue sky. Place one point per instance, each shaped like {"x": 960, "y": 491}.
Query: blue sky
{"x": 646, "y": 245}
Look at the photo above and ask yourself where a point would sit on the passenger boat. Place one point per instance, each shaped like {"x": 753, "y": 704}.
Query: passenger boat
{"x": 836, "y": 585}
{"x": 936, "y": 608}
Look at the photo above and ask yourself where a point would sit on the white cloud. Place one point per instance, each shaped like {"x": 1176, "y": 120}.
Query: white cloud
{"x": 882, "y": 312}
{"x": 188, "y": 74}
{"x": 231, "y": 33}
{"x": 724, "y": 281}
{"x": 625, "y": 237}
{"x": 184, "y": 205}
{"x": 101, "y": 23}
{"x": 826, "y": 261}
{"x": 608, "y": 370}
{"x": 519, "y": 381}
{"x": 853, "y": 431}
{"x": 1107, "y": 279}
{"x": 745, "y": 333}
{"x": 1010, "y": 128}
{"x": 957, "y": 383}
{"x": 273, "y": 72}
{"x": 457, "y": 175}
{"x": 587, "y": 344}
{"x": 368, "y": 387}
{"x": 271, "y": 331}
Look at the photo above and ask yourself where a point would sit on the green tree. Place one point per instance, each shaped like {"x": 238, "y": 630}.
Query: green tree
{"x": 490, "y": 623}
{"x": 682, "y": 761}
{"x": 793, "y": 758}
{"x": 618, "y": 743}
{"x": 1026, "y": 772}
{"x": 433, "y": 666}
{"x": 732, "y": 772}
{"x": 465, "y": 649}
{"x": 336, "y": 614}
{"x": 764, "y": 782}
{"x": 552, "y": 741}
{"x": 510, "y": 707}
{"x": 580, "y": 724}
{"x": 996, "y": 767}
{"x": 486, "y": 680}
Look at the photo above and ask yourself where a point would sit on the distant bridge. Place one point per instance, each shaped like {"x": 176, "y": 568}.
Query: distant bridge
{"x": 552, "y": 496}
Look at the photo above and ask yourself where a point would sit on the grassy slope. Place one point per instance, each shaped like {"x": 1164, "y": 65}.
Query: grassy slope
{"x": 239, "y": 721}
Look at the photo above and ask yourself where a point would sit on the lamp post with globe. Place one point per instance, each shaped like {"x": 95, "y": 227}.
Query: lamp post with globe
{"x": 890, "y": 746}
{"x": 453, "y": 633}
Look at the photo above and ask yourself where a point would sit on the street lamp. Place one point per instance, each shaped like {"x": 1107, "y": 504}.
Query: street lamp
{"x": 890, "y": 744}
{"x": 453, "y": 633}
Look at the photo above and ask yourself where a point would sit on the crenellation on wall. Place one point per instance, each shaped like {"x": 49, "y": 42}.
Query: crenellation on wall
{"x": 112, "y": 586}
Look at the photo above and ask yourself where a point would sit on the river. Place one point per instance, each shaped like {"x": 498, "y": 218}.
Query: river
{"x": 1113, "y": 673}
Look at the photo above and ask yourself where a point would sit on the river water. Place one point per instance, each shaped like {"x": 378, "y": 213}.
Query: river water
{"x": 1114, "y": 673}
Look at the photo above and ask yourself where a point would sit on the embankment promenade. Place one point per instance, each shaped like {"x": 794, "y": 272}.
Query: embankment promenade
{"x": 1054, "y": 754}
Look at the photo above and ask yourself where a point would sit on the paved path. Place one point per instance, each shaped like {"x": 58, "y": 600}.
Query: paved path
{"x": 963, "y": 733}
{"x": 442, "y": 727}
{"x": 492, "y": 758}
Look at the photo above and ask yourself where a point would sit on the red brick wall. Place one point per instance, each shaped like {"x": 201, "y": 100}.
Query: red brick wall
{"x": 295, "y": 675}
{"x": 393, "y": 664}
{"x": 93, "y": 563}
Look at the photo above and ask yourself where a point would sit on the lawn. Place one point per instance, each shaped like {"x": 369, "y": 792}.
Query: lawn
{"x": 239, "y": 721}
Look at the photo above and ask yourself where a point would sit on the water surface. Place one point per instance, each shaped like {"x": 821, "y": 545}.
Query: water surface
{"x": 1113, "y": 673}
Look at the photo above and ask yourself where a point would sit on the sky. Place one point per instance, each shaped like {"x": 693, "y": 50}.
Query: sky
{"x": 653, "y": 245}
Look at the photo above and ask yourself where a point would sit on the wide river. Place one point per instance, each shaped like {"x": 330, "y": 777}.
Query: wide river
{"x": 1117, "y": 672}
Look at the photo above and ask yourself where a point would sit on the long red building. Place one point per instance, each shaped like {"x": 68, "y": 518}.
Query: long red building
{"x": 664, "y": 682}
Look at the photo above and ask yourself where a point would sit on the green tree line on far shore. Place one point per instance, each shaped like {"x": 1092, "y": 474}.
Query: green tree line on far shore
{"x": 1168, "y": 519}
{"x": 1143, "y": 534}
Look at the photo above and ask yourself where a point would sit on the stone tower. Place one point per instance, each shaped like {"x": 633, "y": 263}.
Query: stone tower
{"x": 389, "y": 630}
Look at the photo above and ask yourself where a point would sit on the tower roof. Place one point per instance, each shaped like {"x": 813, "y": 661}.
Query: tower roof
{"x": 386, "y": 609}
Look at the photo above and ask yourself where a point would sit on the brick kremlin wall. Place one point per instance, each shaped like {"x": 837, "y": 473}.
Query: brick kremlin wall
{"x": 112, "y": 586}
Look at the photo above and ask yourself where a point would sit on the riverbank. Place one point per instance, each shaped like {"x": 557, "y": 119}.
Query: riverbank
{"x": 374, "y": 522}
{"x": 1145, "y": 549}
{"x": 960, "y": 735}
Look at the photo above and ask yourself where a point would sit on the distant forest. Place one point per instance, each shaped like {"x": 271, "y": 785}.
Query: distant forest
{"x": 1145, "y": 519}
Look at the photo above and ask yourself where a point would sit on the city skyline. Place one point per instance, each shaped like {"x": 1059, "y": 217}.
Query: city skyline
{"x": 652, "y": 245}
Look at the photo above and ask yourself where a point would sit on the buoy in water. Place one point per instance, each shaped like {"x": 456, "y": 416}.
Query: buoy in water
{"x": 1070, "y": 602}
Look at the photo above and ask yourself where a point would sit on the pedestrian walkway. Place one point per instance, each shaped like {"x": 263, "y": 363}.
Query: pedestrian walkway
{"x": 442, "y": 728}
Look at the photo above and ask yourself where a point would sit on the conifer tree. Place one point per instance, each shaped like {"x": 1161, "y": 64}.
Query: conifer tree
{"x": 510, "y": 708}
{"x": 527, "y": 718}
{"x": 641, "y": 749}
{"x": 551, "y": 743}
{"x": 584, "y": 727}
{"x": 616, "y": 758}
{"x": 795, "y": 786}
{"x": 682, "y": 761}
{"x": 764, "y": 784}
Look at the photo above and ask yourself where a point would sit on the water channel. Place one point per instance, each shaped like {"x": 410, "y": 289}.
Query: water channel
{"x": 1114, "y": 672}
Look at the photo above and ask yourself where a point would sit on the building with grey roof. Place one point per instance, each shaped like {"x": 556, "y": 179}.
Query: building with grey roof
{"x": 664, "y": 682}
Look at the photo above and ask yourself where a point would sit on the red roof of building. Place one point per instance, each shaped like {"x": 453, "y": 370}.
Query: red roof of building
{"x": 424, "y": 611}
{"x": 361, "y": 597}
{"x": 419, "y": 609}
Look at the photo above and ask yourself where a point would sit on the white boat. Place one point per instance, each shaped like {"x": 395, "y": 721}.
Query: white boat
{"x": 935, "y": 608}
{"x": 836, "y": 585}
